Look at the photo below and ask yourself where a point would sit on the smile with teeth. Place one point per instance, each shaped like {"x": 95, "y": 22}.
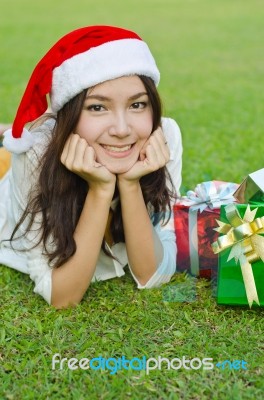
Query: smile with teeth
{"x": 117, "y": 149}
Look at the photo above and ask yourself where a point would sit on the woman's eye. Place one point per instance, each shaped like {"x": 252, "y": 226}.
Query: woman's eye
{"x": 95, "y": 107}
{"x": 139, "y": 105}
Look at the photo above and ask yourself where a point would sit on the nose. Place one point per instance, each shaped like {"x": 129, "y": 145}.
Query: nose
{"x": 120, "y": 126}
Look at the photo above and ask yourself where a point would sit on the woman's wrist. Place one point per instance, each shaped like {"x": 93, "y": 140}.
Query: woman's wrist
{"x": 125, "y": 184}
{"x": 105, "y": 191}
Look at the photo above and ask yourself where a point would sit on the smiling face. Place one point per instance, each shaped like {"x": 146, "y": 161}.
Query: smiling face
{"x": 116, "y": 120}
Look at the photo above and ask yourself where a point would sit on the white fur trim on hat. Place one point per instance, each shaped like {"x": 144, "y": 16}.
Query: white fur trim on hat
{"x": 99, "y": 64}
{"x": 19, "y": 145}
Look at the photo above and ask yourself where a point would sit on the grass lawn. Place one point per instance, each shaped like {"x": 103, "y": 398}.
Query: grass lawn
{"x": 210, "y": 53}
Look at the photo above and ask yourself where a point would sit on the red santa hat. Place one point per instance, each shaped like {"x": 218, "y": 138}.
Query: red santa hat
{"x": 79, "y": 60}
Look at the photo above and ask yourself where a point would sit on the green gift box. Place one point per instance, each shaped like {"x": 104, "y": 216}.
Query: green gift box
{"x": 241, "y": 258}
{"x": 241, "y": 245}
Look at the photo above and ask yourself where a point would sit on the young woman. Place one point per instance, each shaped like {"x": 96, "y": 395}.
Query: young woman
{"x": 91, "y": 185}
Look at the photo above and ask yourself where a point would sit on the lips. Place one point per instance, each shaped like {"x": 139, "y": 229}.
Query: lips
{"x": 118, "y": 149}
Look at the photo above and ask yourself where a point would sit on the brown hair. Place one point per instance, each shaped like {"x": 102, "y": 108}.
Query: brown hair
{"x": 60, "y": 194}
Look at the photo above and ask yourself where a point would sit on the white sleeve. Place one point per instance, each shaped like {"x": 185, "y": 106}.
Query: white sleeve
{"x": 167, "y": 267}
{"x": 173, "y": 136}
{"x": 40, "y": 273}
{"x": 24, "y": 174}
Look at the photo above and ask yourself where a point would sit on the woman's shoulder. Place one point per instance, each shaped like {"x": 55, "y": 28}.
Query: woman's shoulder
{"x": 29, "y": 160}
{"x": 173, "y": 136}
{"x": 42, "y": 132}
{"x": 170, "y": 128}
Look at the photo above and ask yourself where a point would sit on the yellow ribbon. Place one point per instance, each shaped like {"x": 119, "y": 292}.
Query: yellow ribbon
{"x": 247, "y": 246}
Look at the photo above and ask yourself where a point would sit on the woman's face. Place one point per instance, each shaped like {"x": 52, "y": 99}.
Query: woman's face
{"x": 116, "y": 120}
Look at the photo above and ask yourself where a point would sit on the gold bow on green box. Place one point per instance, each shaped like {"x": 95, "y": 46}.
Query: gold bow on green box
{"x": 243, "y": 236}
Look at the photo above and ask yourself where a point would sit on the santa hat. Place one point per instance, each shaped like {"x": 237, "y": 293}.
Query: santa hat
{"x": 79, "y": 60}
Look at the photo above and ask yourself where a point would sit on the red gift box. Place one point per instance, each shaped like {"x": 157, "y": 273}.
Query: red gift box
{"x": 194, "y": 221}
{"x": 205, "y": 235}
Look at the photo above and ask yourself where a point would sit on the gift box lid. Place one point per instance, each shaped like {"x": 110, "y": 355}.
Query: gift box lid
{"x": 252, "y": 188}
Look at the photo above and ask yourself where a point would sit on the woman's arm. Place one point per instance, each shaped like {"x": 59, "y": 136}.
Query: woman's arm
{"x": 144, "y": 248}
{"x": 71, "y": 280}
{"x": 174, "y": 166}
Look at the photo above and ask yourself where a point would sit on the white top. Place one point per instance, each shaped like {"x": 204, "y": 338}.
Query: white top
{"x": 14, "y": 189}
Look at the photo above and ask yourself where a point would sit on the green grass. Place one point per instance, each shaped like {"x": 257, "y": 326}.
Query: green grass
{"x": 210, "y": 56}
{"x": 115, "y": 319}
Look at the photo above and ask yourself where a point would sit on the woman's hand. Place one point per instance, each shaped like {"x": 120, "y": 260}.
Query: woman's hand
{"x": 154, "y": 155}
{"x": 78, "y": 157}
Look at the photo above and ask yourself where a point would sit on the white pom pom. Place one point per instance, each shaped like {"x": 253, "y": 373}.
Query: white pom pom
{"x": 20, "y": 145}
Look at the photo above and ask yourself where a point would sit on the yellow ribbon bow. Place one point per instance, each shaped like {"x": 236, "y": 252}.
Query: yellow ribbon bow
{"x": 247, "y": 246}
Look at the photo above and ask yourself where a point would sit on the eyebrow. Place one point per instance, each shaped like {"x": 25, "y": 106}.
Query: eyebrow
{"x": 104, "y": 98}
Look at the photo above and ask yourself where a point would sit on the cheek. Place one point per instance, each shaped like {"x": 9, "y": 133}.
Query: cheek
{"x": 86, "y": 129}
{"x": 147, "y": 125}
{"x": 144, "y": 130}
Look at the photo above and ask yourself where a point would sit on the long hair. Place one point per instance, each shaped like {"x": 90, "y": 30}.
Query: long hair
{"x": 60, "y": 194}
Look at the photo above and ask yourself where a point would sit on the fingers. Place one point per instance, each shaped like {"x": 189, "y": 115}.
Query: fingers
{"x": 161, "y": 139}
{"x": 157, "y": 151}
{"x": 65, "y": 151}
{"x": 142, "y": 153}
{"x": 89, "y": 157}
{"x": 68, "y": 153}
{"x": 78, "y": 157}
{"x": 73, "y": 153}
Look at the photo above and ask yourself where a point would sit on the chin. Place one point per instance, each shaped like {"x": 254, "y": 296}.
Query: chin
{"x": 119, "y": 169}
